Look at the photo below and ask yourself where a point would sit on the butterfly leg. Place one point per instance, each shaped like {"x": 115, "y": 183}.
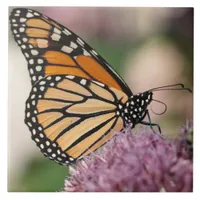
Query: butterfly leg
{"x": 150, "y": 123}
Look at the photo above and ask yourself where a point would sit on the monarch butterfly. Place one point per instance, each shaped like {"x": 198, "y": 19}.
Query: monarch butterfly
{"x": 77, "y": 101}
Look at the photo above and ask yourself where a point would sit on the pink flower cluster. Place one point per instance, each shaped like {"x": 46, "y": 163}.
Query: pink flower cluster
{"x": 142, "y": 162}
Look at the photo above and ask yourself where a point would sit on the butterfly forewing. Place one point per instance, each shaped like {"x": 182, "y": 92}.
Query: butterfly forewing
{"x": 52, "y": 49}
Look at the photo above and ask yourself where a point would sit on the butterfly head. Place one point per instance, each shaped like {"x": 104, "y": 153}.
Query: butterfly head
{"x": 135, "y": 107}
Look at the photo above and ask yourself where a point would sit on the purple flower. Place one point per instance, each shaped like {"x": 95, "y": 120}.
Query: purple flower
{"x": 139, "y": 162}
{"x": 186, "y": 140}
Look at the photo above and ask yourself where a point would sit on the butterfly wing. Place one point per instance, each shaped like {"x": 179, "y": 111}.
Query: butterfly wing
{"x": 52, "y": 49}
{"x": 70, "y": 116}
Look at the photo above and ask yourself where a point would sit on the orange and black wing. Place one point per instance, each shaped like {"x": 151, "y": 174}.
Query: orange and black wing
{"x": 52, "y": 49}
{"x": 69, "y": 116}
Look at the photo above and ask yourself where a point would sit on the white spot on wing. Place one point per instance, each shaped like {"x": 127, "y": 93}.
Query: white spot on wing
{"x": 80, "y": 41}
{"x": 42, "y": 82}
{"x": 34, "y": 131}
{"x": 42, "y": 88}
{"x": 49, "y": 150}
{"x": 33, "y": 119}
{"x": 34, "y": 78}
{"x": 94, "y": 52}
{"x": 21, "y": 29}
{"x": 57, "y": 31}
{"x": 23, "y": 19}
{"x": 63, "y": 155}
{"x": 55, "y": 37}
{"x": 29, "y": 15}
{"x": 66, "y": 49}
{"x": 25, "y": 39}
{"x": 83, "y": 81}
{"x": 54, "y": 144}
{"x": 98, "y": 83}
{"x": 70, "y": 76}
{"x": 58, "y": 78}
{"x": 58, "y": 151}
{"x": 120, "y": 106}
{"x": 38, "y": 68}
{"x": 34, "y": 52}
{"x": 66, "y": 32}
{"x": 26, "y": 54}
{"x": 36, "y": 14}
{"x": 73, "y": 45}
{"x": 86, "y": 53}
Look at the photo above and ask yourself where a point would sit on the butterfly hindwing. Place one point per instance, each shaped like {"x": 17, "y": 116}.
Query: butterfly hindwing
{"x": 70, "y": 116}
{"x": 52, "y": 49}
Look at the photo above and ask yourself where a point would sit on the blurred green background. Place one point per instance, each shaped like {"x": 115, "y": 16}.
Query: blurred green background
{"x": 148, "y": 47}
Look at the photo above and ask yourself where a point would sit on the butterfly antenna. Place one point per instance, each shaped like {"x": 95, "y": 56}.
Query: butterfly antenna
{"x": 165, "y": 105}
{"x": 170, "y": 87}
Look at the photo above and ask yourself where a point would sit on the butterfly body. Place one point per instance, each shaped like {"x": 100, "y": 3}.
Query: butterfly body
{"x": 77, "y": 102}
